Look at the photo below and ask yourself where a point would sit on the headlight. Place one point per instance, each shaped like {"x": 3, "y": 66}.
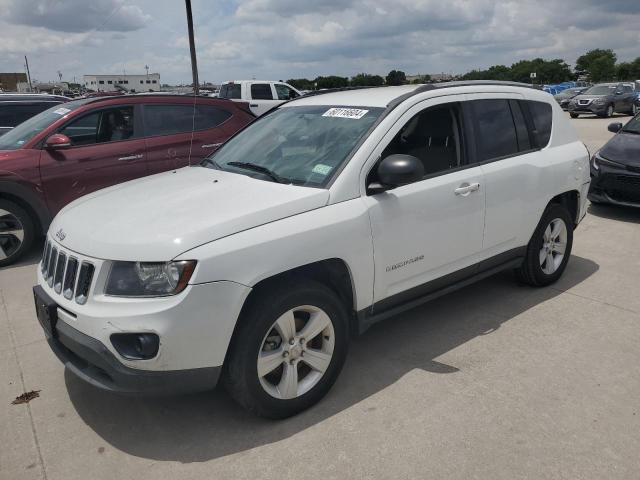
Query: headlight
{"x": 598, "y": 160}
{"x": 149, "y": 279}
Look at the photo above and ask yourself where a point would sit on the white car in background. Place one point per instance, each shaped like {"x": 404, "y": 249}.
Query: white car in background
{"x": 262, "y": 95}
{"x": 329, "y": 214}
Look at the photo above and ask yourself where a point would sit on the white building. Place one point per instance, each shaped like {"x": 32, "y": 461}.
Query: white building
{"x": 130, "y": 83}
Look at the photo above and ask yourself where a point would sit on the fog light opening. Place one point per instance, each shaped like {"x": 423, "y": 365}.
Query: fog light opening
{"x": 136, "y": 346}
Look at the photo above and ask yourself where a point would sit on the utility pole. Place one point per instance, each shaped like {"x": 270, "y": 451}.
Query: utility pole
{"x": 192, "y": 48}
{"x": 26, "y": 63}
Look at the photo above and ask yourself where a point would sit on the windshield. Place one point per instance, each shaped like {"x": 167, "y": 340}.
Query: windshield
{"x": 25, "y": 131}
{"x": 300, "y": 145}
{"x": 633, "y": 126}
{"x": 601, "y": 90}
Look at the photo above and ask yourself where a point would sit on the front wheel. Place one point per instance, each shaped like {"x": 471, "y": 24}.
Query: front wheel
{"x": 549, "y": 248}
{"x": 609, "y": 112}
{"x": 288, "y": 349}
{"x": 634, "y": 110}
{"x": 17, "y": 232}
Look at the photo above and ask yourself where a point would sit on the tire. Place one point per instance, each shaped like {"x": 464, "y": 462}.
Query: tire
{"x": 609, "y": 112}
{"x": 574, "y": 115}
{"x": 538, "y": 269}
{"x": 262, "y": 329}
{"x": 17, "y": 232}
{"x": 634, "y": 110}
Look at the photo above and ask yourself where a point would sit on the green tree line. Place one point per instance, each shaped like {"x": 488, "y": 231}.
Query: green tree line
{"x": 597, "y": 65}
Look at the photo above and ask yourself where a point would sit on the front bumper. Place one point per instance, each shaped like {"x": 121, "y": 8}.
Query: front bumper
{"x": 591, "y": 108}
{"x": 616, "y": 186}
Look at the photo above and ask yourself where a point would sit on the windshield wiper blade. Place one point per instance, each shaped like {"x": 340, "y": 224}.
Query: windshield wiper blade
{"x": 260, "y": 169}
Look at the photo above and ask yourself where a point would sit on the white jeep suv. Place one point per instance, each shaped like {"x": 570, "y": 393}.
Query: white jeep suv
{"x": 324, "y": 216}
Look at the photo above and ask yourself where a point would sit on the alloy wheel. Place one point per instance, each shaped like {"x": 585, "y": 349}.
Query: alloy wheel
{"x": 11, "y": 234}
{"x": 554, "y": 244}
{"x": 296, "y": 352}
{"x": 610, "y": 111}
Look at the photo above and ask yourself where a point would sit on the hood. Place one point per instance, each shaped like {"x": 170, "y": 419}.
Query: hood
{"x": 623, "y": 148}
{"x": 159, "y": 217}
{"x": 588, "y": 97}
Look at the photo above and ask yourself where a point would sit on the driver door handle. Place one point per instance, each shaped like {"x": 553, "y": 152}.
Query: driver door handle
{"x": 211, "y": 145}
{"x": 466, "y": 188}
{"x": 130, "y": 157}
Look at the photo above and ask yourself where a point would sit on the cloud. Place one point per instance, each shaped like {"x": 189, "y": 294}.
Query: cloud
{"x": 76, "y": 15}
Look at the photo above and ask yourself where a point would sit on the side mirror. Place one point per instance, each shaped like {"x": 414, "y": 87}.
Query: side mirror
{"x": 57, "y": 141}
{"x": 614, "y": 127}
{"x": 397, "y": 170}
{"x": 618, "y": 92}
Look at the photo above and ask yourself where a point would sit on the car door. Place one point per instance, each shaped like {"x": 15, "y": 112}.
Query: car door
{"x": 431, "y": 229}
{"x": 212, "y": 127}
{"x": 106, "y": 149}
{"x": 262, "y": 98}
{"x": 168, "y": 130}
{"x": 628, "y": 97}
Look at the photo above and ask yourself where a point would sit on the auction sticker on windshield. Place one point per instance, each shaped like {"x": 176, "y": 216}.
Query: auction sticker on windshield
{"x": 354, "y": 113}
{"x": 62, "y": 111}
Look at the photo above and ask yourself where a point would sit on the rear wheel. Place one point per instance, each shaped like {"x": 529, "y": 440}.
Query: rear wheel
{"x": 549, "y": 248}
{"x": 288, "y": 350}
{"x": 17, "y": 232}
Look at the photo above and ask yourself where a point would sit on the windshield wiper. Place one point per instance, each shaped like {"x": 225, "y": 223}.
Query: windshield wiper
{"x": 260, "y": 169}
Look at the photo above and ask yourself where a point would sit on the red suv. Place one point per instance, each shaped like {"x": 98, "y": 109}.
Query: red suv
{"x": 88, "y": 144}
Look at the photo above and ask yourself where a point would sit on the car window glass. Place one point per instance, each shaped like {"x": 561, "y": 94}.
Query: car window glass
{"x": 230, "y": 90}
{"x": 167, "y": 119}
{"x": 542, "y": 118}
{"x": 495, "y": 130}
{"x": 522, "y": 131}
{"x": 432, "y": 136}
{"x": 14, "y": 114}
{"x": 284, "y": 92}
{"x": 109, "y": 125}
{"x": 261, "y": 91}
{"x": 208, "y": 116}
{"x": 628, "y": 89}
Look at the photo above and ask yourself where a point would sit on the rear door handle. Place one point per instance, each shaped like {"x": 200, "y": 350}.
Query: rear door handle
{"x": 131, "y": 157}
{"x": 211, "y": 145}
{"x": 465, "y": 189}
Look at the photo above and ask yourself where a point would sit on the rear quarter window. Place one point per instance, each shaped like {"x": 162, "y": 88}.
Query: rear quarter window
{"x": 541, "y": 117}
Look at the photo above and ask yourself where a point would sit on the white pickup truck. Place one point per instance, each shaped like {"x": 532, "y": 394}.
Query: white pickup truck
{"x": 262, "y": 95}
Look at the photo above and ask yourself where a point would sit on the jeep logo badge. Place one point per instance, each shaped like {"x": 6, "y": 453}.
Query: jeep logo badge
{"x": 60, "y": 235}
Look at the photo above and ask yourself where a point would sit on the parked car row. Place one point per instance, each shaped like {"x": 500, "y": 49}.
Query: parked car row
{"x": 87, "y": 144}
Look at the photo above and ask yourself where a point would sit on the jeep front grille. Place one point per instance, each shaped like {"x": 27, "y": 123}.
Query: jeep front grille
{"x": 66, "y": 274}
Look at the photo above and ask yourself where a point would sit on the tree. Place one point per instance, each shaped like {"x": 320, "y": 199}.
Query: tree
{"x": 366, "y": 80}
{"x": 396, "y": 77}
{"x": 422, "y": 79}
{"x": 624, "y": 71}
{"x": 331, "y": 82}
{"x": 301, "y": 83}
{"x": 598, "y": 64}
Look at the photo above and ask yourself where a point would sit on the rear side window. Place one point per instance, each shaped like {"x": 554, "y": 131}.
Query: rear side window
{"x": 261, "y": 91}
{"x": 15, "y": 114}
{"x": 230, "y": 90}
{"x": 495, "y": 131}
{"x": 167, "y": 119}
{"x": 541, "y": 118}
{"x": 208, "y": 116}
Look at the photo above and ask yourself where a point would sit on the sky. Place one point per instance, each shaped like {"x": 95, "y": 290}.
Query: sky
{"x": 281, "y": 39}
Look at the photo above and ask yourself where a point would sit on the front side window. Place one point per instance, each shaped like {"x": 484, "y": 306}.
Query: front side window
{"x": 433, "y": 137}
{"x": 633, "y": 126}
{"x": 109, "y": 125}
{"x": 261, "y": 91}
{"x": 495, "y": 131}
{"x": 303, "y": 145}
{"x": 284, "y": 92}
